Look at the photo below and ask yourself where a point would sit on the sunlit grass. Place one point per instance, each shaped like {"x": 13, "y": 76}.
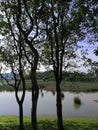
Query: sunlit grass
{"x": 45, "y": 123}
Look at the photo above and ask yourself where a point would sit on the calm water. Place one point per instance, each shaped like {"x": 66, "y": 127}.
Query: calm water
{"x": 47, "y": 104}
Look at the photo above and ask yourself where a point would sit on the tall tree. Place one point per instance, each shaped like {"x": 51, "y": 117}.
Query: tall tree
{"x": 12, "y": 54}
{"x": 12, "y": 58}
{"x": 29, "y": 29}
{"x": 64, "y": 24}
{"x": 23, "y": 15}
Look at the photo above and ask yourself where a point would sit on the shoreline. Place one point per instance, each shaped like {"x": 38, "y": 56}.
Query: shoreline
{"x": 65, "y": 86}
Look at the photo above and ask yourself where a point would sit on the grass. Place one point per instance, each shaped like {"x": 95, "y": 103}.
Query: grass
{"x": 71, "y": 86}
{"x": 45, "y": 123}
{"x": 80, "y": 86}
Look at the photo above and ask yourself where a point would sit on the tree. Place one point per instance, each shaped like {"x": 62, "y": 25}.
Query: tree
{"x": 61, "y": 24}
{"x": 12, "y": 55}
{"x": 23, "y": 16}
{"x": 64, "y": 24}
{"x": 32, "y": 27}
{"x": 13, "y": 58}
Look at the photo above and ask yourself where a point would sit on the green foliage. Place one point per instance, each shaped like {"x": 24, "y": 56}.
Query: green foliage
{"x": 67, "y": 76}
{"x": 96, "y": 51}
{"x": 45, "y": 123}
{"x": 45, "y": 76}
{"x": 4, "y": 28}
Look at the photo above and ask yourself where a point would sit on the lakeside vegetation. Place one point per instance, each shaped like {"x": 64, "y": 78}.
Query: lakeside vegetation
{"x": 67, "y": 76}
{"x": 47, "y": 83}
{"x": 49, "y": 123}
{"x": 71, "y": 86}
{"x": 65, "y": 86}
{"x": 72, "y": 81}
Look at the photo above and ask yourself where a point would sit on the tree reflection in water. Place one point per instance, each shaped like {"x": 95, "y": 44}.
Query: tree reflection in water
{"x": 77, "y": 102}
{"x": 62, "y": 96}
{"x": 53, "y": 92}
{"x": 41, "y": 93}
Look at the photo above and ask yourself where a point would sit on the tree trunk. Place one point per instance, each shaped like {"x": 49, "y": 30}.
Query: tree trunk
{"x": 21, "y": 125}
{"x": 35, "y": 94}
{"x": 34, "y": 110}
{"x": 59, "y": 108}
{"x": 20, "y": 104}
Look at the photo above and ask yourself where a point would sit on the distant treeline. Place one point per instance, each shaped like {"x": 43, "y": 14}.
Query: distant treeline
{"x": 67, "y": 76}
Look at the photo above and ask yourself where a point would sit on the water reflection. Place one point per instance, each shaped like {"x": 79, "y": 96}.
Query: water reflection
{"x": 62, "y": 96}
{"x": 77, "y": 102}
{"x": 47, "y": 104}
{"x": 41, "y": 93}
{"x": 53, "y": 93}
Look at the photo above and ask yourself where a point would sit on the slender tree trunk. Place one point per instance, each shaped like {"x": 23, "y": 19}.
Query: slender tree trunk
{"x": 34, "y": 110}
{"x": 20, "y": 104}
{"x": 21, "y": 124}
{"x": 59, "y": 108}
{"x": 35, "y": 94}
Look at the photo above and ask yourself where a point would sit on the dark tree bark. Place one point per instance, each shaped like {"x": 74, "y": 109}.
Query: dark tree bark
{"x": 35, "y": 87}
{"x": 35, "y": 94}
{"x": 20, "y": 103}
{"x": 56, "y": 46}
{"x": 34, "y": 56}
{"x": 21, "y": 100}
{"x": 21, "y": 116}
{"x": 59, "y": 107}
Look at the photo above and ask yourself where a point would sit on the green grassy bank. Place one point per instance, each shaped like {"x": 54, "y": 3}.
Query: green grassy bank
{"x": 11, "y": 123}
{"x": 71, "y": 86}
{"x": 65, "y": 86}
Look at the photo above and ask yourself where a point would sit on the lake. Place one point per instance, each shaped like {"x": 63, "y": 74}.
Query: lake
{"x": 47, "y": 104}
